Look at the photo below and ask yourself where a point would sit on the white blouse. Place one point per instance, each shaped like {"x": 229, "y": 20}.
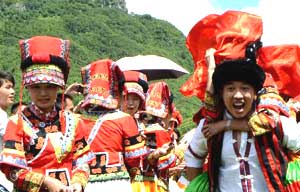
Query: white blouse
{"x": 229, "y": 175}
{"x": 3, "y": 123}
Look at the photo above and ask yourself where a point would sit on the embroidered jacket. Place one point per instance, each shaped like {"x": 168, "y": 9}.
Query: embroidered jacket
{"x": 117, "y": 144}
{"x": 157, "y": 136}
{"x": 35, "y": 147}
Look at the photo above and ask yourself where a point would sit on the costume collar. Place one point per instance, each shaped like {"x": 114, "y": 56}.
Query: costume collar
{"x": 41, "y": 115}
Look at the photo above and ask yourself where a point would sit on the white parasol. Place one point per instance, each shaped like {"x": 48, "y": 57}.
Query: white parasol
{"x": 154, "y": 66}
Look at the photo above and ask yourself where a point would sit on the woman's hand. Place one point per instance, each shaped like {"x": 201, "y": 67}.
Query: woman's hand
{"x": 74, "y": 89}
{"x": 177, "y": 169}
{"x": 159, "y": 152}
{"x": 55, "y": 185}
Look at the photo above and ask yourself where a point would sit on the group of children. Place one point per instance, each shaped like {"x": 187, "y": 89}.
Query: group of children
{"x": 121, "y": 138}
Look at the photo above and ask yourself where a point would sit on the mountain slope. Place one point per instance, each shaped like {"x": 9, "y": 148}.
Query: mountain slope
{"x": 97, "y": 29}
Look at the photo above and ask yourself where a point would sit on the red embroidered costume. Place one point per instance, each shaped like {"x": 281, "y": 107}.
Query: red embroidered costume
{"x": 38, "y": 144}
{"x": 114, "y": 137}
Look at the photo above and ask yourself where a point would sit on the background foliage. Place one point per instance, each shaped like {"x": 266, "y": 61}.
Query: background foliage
{"x": 97, "y": 29}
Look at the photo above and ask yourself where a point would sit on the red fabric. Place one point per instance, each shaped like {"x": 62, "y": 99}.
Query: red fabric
{"x": 283, "y": 63}
{"x": 270, "y": 161}
{"x": 229, "y": 34}
{"x": 273, "y": 164}
{"x": 158, "y": 99}
{"x": 134, "y": 76}
{"x": 113, "y": 131}
{"x": 293, "y": 187}
{"x": 177, "y": 117}
{"x": 263, "y": 168}
{"x": 101, "y": 80}
{"x": 269, "y": 81}
{"x": 41, "y": 47}
{"x": 161, "y": 137}
{"x": 47, "y": 159}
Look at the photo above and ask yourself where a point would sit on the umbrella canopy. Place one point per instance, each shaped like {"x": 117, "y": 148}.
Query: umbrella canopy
{"x": 154, "y": 66}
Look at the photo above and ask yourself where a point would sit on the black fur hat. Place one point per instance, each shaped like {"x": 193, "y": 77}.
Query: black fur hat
{"x": 245, "y": 70}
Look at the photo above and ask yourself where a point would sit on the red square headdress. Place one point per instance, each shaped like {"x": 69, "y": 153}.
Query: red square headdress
{"x": 45, "y": 59}
{"x": 159, "y": 100}
{"x": 101, "y": 84}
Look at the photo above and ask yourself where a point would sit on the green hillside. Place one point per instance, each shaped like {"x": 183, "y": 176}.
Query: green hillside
{"x": 97, "y": 29}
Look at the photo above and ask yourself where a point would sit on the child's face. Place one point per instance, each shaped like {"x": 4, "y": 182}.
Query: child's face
{"x": 238, "y": 98}
{"x": 7, "y": 94}
{"x": 131, "y": 103}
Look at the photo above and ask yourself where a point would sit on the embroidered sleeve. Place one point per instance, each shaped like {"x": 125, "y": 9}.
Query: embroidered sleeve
{"x": 13, "y": 147}
{"x": 134, "y": 147}
{"x": 81, "y": 175}
{"x": 261, "y": 122}
{"x": 81, "y": 150}
{"x": 197, "y": 150}
{"x": 82, "y": 153}
{"x": 13, "y": 159}
{"x": 270, "y": 106}
{"x": 82, "y": 156}
{"x": 167, "y": 161}
{"x": 163, "y": 157}
{"x": 209, "y": 110}
{"x": 24, "y": 179}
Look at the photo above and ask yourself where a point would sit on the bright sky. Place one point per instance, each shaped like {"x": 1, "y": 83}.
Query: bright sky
{"x": 280, "y": 17}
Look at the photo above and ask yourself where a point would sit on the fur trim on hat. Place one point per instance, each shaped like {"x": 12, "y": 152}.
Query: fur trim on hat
{"x": 238, "y": 70}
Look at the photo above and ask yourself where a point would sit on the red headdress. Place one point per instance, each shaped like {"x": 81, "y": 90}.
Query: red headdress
{"x": 229, "y": 34}
{"x": 135, "y": 82}
{"x": 159, "y": 100}
{"x": 101, "y": 84}
{"x": 45, "y": 59}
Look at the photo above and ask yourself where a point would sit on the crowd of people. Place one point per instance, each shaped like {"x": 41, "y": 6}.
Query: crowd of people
{"x": 123, "y": 134}
{"x": 120, "y": 136}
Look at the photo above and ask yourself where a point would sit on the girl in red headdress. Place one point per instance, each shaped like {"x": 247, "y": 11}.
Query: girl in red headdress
{"x": 135, "y": 86}
{"x": 45, "y": 149}
{"x": 157, "y": 115}
{"x": 112, "y": 134}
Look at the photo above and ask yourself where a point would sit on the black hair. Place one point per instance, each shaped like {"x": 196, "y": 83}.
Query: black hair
{"x": 151, "y": 119}
{"x": 5, "y": 75}
{"x": 14, "y": 107}
{"x": 178, "y": 134}
{"x": 238, "y": 70}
